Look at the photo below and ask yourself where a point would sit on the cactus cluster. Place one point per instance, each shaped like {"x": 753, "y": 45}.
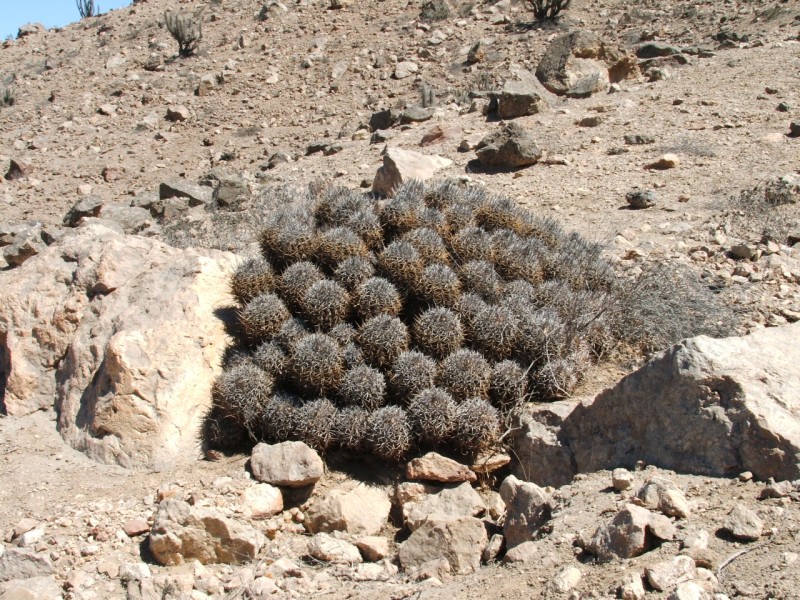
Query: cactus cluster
{"x": 400, "y": 326}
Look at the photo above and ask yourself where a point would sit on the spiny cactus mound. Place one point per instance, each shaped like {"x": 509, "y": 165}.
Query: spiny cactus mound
{"x": 417, "y": 323}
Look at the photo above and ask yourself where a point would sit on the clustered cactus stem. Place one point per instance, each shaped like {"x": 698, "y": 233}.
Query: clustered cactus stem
{"x": 422, "y": 322}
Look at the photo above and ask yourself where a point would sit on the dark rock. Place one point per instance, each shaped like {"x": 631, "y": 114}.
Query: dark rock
{"x": 416, "y": 114}
{"x": 509, "y": 148}
{"x": 384, "y": 119}
{"x": 18, "y": 169}
{"x": 655, "y": 49}
{"x": 639, "y": 139}
{"x": 641, "y": 198}
{"x": 180, "y": 188}
{"x": 85, "y": 207}
{"x": 522, "y": 97}
{"x": 794, "y": 129}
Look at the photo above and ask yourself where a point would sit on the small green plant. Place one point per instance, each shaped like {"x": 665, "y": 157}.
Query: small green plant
{"x": 7, "y": 96}
{"x": 545, "y": 10}
{"x": 87, "y": 8}
{"x": 186, "y": 29}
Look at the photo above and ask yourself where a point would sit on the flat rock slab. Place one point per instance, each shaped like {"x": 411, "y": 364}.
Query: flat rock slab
{"x": 363, "y": 510}
{"x": 706, "y": 406}
{"x": 459, "y": 540}
{"x": 435, "y": 467}
{"x": 403, "y": 165}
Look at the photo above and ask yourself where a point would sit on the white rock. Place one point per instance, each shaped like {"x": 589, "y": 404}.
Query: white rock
{"x": 330, "y": 549}
{"x": 668, "y": 574}
{"x": 566, "y": 579}
{"x": 362, "y": 510}
{"x": 261, "y": 501}
{"x": 405, "y": 69}
{"x": 456, "y": 501}
{"x": 403, "y": 165}
{"x": 289, "y": 464}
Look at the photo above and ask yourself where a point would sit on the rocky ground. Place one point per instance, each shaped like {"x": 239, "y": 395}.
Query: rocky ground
{"x": 106, "y": 115}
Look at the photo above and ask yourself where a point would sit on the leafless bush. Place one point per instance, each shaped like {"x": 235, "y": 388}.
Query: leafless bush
{"x": 7, "y": 96}
{"x": 87, "y": 8}
{"x": 548, "y": 9}
{"x": 186, "y": 29}
{"x": 765, "y": 211}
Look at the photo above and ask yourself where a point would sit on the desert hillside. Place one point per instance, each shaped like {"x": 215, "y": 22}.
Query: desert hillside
{"x": 646, "y": 141}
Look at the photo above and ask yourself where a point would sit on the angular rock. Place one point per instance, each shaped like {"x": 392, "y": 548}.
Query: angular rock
{"x": 441, "y": 133}
{"x": 566, "y": 579}
{"x": 664, "y": 496}
{"x": 459, "y": 540}
{"x": 579, "y": 64}
{"x": 373, "y": 547}
{"x": 435, "y": 467}
{"x": 641, "y": 198}
{"x": 333, "y": 550}
{"x": 541, "y": 457}
{"x": 632, "y": 588}
{"x": 405, "y": 69}
{"x": 705, "y": 406}
{"x": 403, "y": 165}
{"x": 384, "y": 119}
{"x": 18, "y": 169}
{"x": 490, "y": 462}
{"x": 23, "y": 564}
{"x": 30, "y": 29}
{"x": 416, "y": 114}
{"x": 522, "y": 96}
{"x": 88, "y": 206}
{"x": 288, "y": 464}
{"x": 26, "y": 245}
{"x": 668, "y": 574}
{"x": 621, "y": 479}
{"x": 655, "y": 49}
{"x": 528, "y": 507}
{"x": 35, "y": 588}
{"x": 197, "y": 194}
{"x": 492, "y": 549}
{"x": 689, "y": 590}
{"x": 183, "y": 533}
{"x": 230, "y": 189}
{"x": 261, "y": 501}
{"x": 509, "y": 148}
{"x": 522, "y": 553}
{"x": 135, "y": 527}
{"x": 132, "y": 220}
{"x": 743, "y": 524}
{"x": 128, "y": 349}
{"x": 177, "y": 113}
{"x": 363, "y": 510}
{"x": 455, "y": 501}
{"x": 632, "y": 532}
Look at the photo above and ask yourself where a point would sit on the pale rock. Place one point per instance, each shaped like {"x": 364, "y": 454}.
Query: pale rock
{"x": 25, "y": 246}
{"x": 197, "y": 195}
{"x": 689, "y": 590}
{"x": 23, "y": 564}
{"x": 207, "y": 84}
{"x": 436, "y": 569}
{"x": 34, "y": 588}
{"x": 490, "y": 462}
{"x": 178, "y": 113}
{"x": 705, "y": 406}
{"x": 492, "y": 549}
{"x": 664, "y": 496}
{"x": 528, "y": 507}
{"x": 621, "y": 479}
{"x": 135, "y": 571}
{"x": 629, "y": 533}
{"x": 566, "y": 579}
{"x": 132, "y": 219}
{"x": 24, "y": 525}
{"x": 522, "y": 553}
{"x": 405, "y": 69}
{"x": 743, "y": 524}
{"x": 460, "y": 540}
{"x": 435, "y": 467}
{"x": 181, "y": 532}
{"x": 404, "y": 165}
{"x": 130, "y": 384}
{"x": 88, "y": 206}
{"x": 333, "y": 550}
{"x": 667, "y": 161}
{"x": 261, "y": 501}
{"x": 412, "y": 491}
{"x": 107, "y": 109}
{"x": 288, "y": 464}
{"x": 135, "y": 527}
{"x": 374, "y": 572}
{"x": 774, "y": 489}
{"x": 667, "y": 575}
{"x": 373, "y": 547}
{"x": 632, "y": 588}
{"x": 30, "y": 538}
{"x": 696, "y": 540}
{"x": 362, "y": 510}
{"x": 262, "y": 587}
{"x": 453, "y": 501}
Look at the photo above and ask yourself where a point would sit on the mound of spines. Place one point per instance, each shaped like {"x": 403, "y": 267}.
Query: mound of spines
{"x": 421, "y": 322}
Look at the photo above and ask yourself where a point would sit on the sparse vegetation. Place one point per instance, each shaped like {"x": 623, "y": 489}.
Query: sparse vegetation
{"x": 186, "y": 29}
{"x": 436, "y": 338}
{"x": 87, "y": 8}
{"x": 545, "y": 10}
{"x": 764, "y": 212}
{"x": 7, "y": 96}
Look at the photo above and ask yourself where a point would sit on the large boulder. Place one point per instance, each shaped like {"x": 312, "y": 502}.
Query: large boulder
{"x": 459, "y": 540}
{"x": 120, "y": 334}
{"x": 404, "y": 165}
{"x": 287, "y": 464}
{"x": 522, "y": 95}
{"x": 362, "y": 510}
{"x": 528, "y": 507}
{"x": 182, "y": 533}
{"x": 706, "y": 406}
{"x": 510, "y": 147}
{"x": 448, "y": 502}
{"x": 540, "y": 455}
{"x": 579, "y": 64}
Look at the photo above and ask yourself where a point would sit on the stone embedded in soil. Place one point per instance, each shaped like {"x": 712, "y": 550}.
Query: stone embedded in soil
{"x": 460, "y": 540}
{"x": 743, "y": 524}
{"x": 664, "y": 496}
{"x": 405, "y": 69}
{"x": 261, "y": 500}
{"x": 528, "y": 507}
{"x": 373, "y": 547}
{"x": 178, "y": 113}
{"x": 621, "y": 479}
{"x": 639, "y": 199}
{"x": 667, "y": 161}
{"x": 363, "y": 510}
{"x": 689, "y": 590}
{"x": 435, "y": 467}
{"x": 197, "y": 195}
{"x": 523, "y": 553}
{"x": 288, "y": 464}
{"x": 22, "y": 564}
{"x": 401, "y": 165}
{"x": 566, "y": 579}
{"x": 88, "y": 206}
{"x": 181, "y": 533}
{"x": 333, "y": 550}
{"x": 668, "y": 574}
{"x": 522, "y": 96}
{"x": 34, "y": 588}
{"x": 510, "y": 147}
{"x": 630, "y": 533}
{"x": 453, "y": 501}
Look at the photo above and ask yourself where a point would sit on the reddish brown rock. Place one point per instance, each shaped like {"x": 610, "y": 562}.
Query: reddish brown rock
{"x": 435, "y": 467}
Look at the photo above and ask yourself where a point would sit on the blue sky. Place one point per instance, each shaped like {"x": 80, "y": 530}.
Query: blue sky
{"x": 52, "y": 13}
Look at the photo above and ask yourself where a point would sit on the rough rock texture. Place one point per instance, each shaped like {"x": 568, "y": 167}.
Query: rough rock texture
{"x": 261, "y": 501}
{"x": 126, "y": 348}
{"x": 402, "y": 165}
{"x": 456, "y": 501}
{"x": 22, "y": 564}
{"x": 631, "y": 532}
{"x": 705, "y": 406}
{"x": 182, "y": 533}
{"x": 459, "y": 540}
{"x": 522, "y": 96}
{"x": 579, "y": 64}
{"x": 664, "y": 496}
{"x": 289, "y": 464}
{"x": 743, "y": 524}
{"x": 527, "y": 509}
{"x": 541, "y": 457}
{"x": 363, "y": 510}
{"x": 35, "y": 588}
{"x": 509, "y": 148}
{"x": 330, "y": 549}
{"x": 668, "y": 574}
{"x": 435, "y": 467}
